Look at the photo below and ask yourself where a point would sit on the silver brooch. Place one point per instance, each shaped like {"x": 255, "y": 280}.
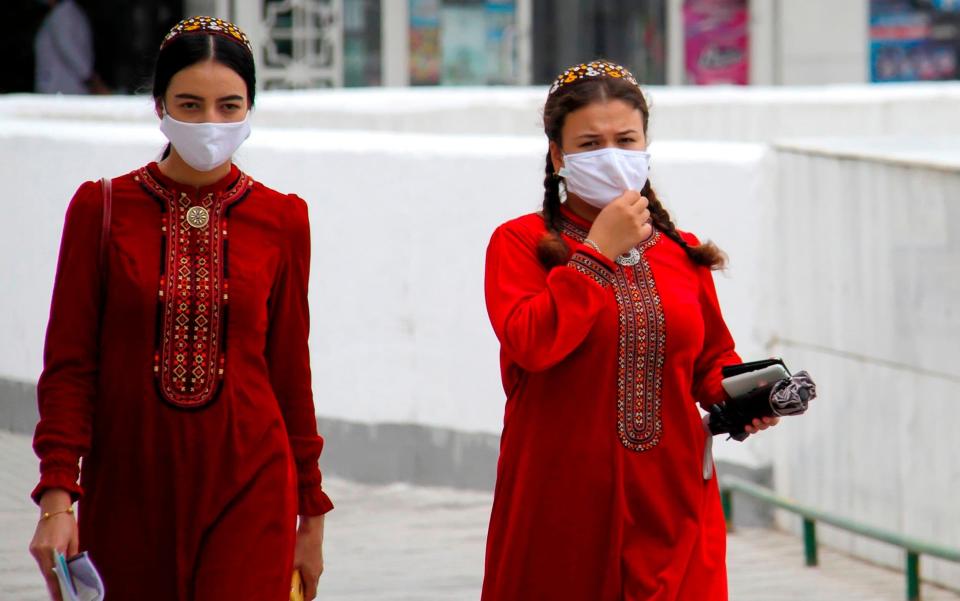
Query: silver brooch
{"x": 629, "y": 259}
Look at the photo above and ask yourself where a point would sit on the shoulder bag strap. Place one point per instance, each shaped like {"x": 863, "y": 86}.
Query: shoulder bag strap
{"x": 107, "y": 190}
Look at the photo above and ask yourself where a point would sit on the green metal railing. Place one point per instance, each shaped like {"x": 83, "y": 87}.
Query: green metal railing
{"x": 914, "y": 548}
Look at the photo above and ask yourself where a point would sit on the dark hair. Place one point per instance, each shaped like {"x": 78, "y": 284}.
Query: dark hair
{"x": 553, "y": 250}
{"x": 192, "y": 48}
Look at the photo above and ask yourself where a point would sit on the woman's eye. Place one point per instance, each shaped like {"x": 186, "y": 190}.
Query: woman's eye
{"x": 231, "y": 107}
{"x": 627, "y": 140}
{"x": 189, "y": 105}
{"x": 589, "y": 144}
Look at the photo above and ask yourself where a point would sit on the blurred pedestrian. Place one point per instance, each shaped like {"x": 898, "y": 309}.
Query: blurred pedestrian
{"x": 610, "y": 335}
{"x": 64, "y": 52}
{"x": 196, "y": 429}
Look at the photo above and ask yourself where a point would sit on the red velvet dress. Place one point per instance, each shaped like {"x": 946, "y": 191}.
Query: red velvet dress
{"x": 600, "y": 491}
{"x": 182, "y": 380}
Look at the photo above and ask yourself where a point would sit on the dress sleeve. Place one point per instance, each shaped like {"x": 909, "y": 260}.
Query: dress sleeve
{"x": 540, "y": 317}
{"x": 288, "y": 359}
{"x": 67, "y": 387}
{"x": 718, "y": 346}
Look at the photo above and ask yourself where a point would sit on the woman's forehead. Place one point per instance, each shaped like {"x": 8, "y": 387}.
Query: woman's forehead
{"x": 610, "y": 113}
{"x": 207, "y": 78}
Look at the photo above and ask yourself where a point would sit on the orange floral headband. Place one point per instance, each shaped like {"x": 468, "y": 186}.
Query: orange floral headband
{"x": 592, "y": 69}
{"x": 209, "y": 25}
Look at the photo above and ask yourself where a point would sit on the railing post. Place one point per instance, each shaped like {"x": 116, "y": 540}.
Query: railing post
{"x": 913, "y": 576}
{"x": 726, "y": 499}
{"x": 810, "y": 542}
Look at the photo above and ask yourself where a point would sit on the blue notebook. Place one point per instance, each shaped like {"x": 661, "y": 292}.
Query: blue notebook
{"x": 78, "y": 579}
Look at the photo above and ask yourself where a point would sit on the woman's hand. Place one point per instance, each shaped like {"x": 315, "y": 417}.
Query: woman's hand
{"x": 622, "y": 224}
{"x": 308, "y": 554}
{"x": 761, "y": 424}
{"x": 57, "y": 533}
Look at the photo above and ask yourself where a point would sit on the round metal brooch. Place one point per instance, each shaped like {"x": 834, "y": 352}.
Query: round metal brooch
{"x": 198, "y": 217}
{"x": 629, "y": 259}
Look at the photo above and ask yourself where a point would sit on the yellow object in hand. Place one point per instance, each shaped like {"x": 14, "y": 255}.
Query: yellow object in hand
{"x": 296, "y": 587}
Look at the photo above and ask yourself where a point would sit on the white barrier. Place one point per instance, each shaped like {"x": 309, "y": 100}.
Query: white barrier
{"x": 400, "y": 226}
{"x": 867, "y": 248}
{"x": 751, "y": 114}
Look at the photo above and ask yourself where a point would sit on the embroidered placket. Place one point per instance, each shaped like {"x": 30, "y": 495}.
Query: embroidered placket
{"x": 193, "y": 295}
{"x": 642, "y": 346}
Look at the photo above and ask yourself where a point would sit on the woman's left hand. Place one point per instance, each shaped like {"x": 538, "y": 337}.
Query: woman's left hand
{"x": 761, "y": 424}
{"x": 308, "y": 553}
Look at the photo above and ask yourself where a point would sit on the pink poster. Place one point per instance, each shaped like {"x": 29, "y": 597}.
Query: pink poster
{"x": 716, "y": 41}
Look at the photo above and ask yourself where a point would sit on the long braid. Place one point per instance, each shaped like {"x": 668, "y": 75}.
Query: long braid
{"x": 706, "y": 254}
{"x": 552, "y": 249}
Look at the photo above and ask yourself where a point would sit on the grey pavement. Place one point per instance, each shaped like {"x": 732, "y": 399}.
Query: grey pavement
{"x": 406, "y": 543}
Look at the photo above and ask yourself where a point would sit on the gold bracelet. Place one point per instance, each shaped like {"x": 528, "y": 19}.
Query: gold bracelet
{"x": 49, "y": 514}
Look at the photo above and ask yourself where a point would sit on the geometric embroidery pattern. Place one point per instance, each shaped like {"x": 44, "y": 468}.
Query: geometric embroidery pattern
{"x": 190, "y": 359}
{"x": 642, "y": 341}
{"x": 591, "y": 268}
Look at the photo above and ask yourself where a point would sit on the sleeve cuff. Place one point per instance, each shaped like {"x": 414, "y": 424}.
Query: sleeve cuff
{"x": 64, "y": 479}
{"x": 593, "y": 265}
{"x": 313, "y": 501}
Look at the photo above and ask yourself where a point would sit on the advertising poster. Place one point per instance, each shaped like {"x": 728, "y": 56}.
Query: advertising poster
{"x": 463, "y": 41}
{"x": 716, "y": 41}
{"x": 903, "y": 46}
{"x": 424, "y": 42}
{"x": 501, "y": 42}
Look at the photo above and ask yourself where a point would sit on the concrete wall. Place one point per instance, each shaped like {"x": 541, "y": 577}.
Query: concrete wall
{"x": 400, "y": 226}
{"x": 754, "y": 114}
{"x": 867, "y": 245}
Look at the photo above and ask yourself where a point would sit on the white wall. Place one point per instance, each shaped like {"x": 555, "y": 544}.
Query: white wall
{"x": 400, "y": 226}
{"x": 868, "y": 252}
{"x": 754, "y": 114}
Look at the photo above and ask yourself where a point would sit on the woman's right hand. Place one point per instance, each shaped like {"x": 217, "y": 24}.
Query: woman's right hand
{"x": 57, "y": 533}
{"x": 622, "y": 224}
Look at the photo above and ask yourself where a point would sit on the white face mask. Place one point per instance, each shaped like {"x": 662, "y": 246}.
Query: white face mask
{"x": 205, "y": 146}
{"x": 600, "y": 176}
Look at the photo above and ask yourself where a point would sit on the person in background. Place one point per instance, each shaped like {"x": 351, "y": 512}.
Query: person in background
{"x": 64, "y": 52}
{"x": 176, "y": 363}
{"x": 610, "y": 334}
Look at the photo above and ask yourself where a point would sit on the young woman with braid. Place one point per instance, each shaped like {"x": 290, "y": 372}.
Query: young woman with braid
{"x": 610, "y": 335}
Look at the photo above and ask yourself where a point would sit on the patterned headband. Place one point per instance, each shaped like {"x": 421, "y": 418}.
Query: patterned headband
{"x": 208, "y": 25}
{"x": 592, "y": 69}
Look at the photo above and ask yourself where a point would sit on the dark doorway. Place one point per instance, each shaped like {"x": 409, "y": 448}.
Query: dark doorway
{"x": 629, "y": 32}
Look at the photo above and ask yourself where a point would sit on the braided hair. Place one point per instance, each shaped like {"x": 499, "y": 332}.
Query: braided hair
{"x": 552, "y": 249}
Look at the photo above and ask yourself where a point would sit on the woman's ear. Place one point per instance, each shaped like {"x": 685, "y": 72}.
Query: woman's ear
{"x": 158, "y": 107}
{"x": 556, "y": 156}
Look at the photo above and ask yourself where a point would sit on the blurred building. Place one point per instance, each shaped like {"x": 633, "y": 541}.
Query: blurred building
{"x": 309, "y": 43}
{"x": 321, "y": 43}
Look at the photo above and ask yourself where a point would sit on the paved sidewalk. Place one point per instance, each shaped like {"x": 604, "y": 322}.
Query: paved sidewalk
{"x": 404, "y": 543}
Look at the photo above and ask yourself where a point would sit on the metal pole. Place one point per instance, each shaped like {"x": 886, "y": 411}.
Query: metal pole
{"x": 726, "y": 500}
{"x": 810, "y": 542}
{"x": 913, "y": 576}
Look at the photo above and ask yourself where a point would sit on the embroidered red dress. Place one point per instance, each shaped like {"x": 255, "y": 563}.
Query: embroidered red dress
{"x": 182, "y": 380}
{"x": 600, "y": 491}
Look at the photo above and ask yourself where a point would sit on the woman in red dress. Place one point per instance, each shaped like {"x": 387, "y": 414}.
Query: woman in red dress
{"x": 176, "y": 364}
{"x": 610, "y": 335}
